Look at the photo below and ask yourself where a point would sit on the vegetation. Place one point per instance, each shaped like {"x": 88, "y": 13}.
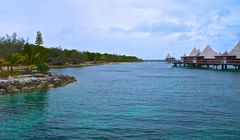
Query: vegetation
{"x": 18, "y": 52}
{"x": 39, "y": 39}
{"x": 58, "y": 56}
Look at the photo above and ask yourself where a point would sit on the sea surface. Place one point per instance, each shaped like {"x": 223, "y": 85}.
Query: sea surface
{"x": 128, "y": 101}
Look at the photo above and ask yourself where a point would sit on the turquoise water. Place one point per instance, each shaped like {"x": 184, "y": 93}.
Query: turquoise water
{"x": 128, "y": 101}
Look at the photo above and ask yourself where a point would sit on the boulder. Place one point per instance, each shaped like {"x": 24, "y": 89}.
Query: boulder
{"x": 51, "y": 86}
{"x": 25, "y": 89}
{"x": 2, "y": 90}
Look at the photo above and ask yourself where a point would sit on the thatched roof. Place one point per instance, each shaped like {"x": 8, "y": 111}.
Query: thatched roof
{"x": 194, "y": 52}
{"x": 168, "y": 56}
{"x": 236, "y": 51}
{"x": 208, "y": 53}
{"x": 225, "y": 53}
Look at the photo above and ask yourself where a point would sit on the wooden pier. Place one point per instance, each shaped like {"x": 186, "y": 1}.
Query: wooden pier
{"x": 214, "y": 64}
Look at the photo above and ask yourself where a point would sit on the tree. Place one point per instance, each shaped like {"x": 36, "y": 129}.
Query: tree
{"x": 56, "y": 56}
{"x": 42, "y": 66}
{"x": 10, "y": 44}
{"x": 39, "y": 39}
{"x": 35, "y": 56}
{"x": 14, "y": 37}
{"x": 31, "y": 55}
{"x": 13, "y": 60}
{"x": 2, "y": 63}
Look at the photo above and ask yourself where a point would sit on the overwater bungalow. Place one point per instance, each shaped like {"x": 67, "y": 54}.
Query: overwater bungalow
{"x": 210, "y": 57}
{"x": 225, "y": 58}
{"x": 236, "y": 51}
{"x": 193, "y": 57}
{"x": 169, "y": 58}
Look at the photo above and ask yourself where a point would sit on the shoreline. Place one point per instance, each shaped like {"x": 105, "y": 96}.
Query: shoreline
{"x": 87, "y": 64}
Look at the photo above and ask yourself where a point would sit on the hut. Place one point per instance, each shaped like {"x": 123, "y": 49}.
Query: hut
{"x": 235, "y": 52}
{"x": 208, "y": 55}
{"x": 224, "y": 58}
{"x": 194, "y": 57}
{"x": 169, "y": 58}
{"x": 195, "y": 52}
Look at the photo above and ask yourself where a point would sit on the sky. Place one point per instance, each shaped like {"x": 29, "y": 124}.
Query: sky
{"x": 148, "y": 29}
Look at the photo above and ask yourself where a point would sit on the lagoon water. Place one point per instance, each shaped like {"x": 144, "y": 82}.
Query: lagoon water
{"x": 128, "y": 101}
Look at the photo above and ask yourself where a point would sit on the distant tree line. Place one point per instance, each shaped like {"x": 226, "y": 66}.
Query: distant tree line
{"x": 16, "y": 51}
{"x": 59, "y": 56}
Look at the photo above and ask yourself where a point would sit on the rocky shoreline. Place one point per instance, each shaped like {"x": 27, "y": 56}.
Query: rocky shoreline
{"x": 34, "y": 81}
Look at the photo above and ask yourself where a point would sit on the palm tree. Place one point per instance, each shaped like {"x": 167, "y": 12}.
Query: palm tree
{"x": 31, "y": 55}
{"x": 35, "y": 56}
{"x": 13, "y": 60}
{"x": 2, "y": 63}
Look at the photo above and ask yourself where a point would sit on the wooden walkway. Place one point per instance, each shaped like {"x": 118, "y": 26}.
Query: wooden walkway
{"x": 234, "y": 64}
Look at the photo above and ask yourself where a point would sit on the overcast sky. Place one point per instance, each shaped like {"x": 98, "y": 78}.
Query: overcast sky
{"x": 146, "y": 28}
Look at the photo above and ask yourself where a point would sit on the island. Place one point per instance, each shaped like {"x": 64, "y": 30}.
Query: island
{"x": 25, "y": 66}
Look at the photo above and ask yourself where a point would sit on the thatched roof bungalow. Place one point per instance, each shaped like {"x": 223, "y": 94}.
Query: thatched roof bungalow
{"x": 169, "y": 58}
{"x": 208, "y": 53}
{"x": 224, "y": 58}
{"x": 193, "y": 57}
{"x": 236, "y": 51}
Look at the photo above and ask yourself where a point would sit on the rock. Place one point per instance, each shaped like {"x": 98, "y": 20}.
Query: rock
{"x": 40, "y": 86}
{"x": 25, "y": 89}
{"x": 2, "y": 90}
{"x": 32, "y": 87}
{"x": 3, "y": 85}
{"x": 10, "y": 88}
{"x": 56, "y": 79}
{"x": 51, "y": 86}
{"x": 15, "y": 90}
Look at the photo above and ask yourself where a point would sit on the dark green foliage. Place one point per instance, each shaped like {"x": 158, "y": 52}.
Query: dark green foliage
{"x": 57, "y": 56}
{"x": 42, "y": 67}
{"x": 13, "y": 60}
{"x": 36, "y": 56}
{"x": 31, "y": 54}
{"x": 39, "y": 39}
{"x": 15, "y": 51}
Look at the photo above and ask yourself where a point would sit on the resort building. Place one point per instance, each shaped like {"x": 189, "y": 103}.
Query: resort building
{"x": 169, "y": 58}
{"x": 208, "y": 53}
{"x": 209, "y": 57}
{"x": 236, "y": 51}
{"x": 225, "y": 58}
{"x": 193, "y": 57}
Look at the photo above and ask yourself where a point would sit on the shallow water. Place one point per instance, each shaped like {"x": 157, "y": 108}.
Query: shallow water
{"x": 128, "y": 101}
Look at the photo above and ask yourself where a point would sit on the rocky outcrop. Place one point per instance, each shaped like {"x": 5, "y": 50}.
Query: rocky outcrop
{"x": 34, "y": 81}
